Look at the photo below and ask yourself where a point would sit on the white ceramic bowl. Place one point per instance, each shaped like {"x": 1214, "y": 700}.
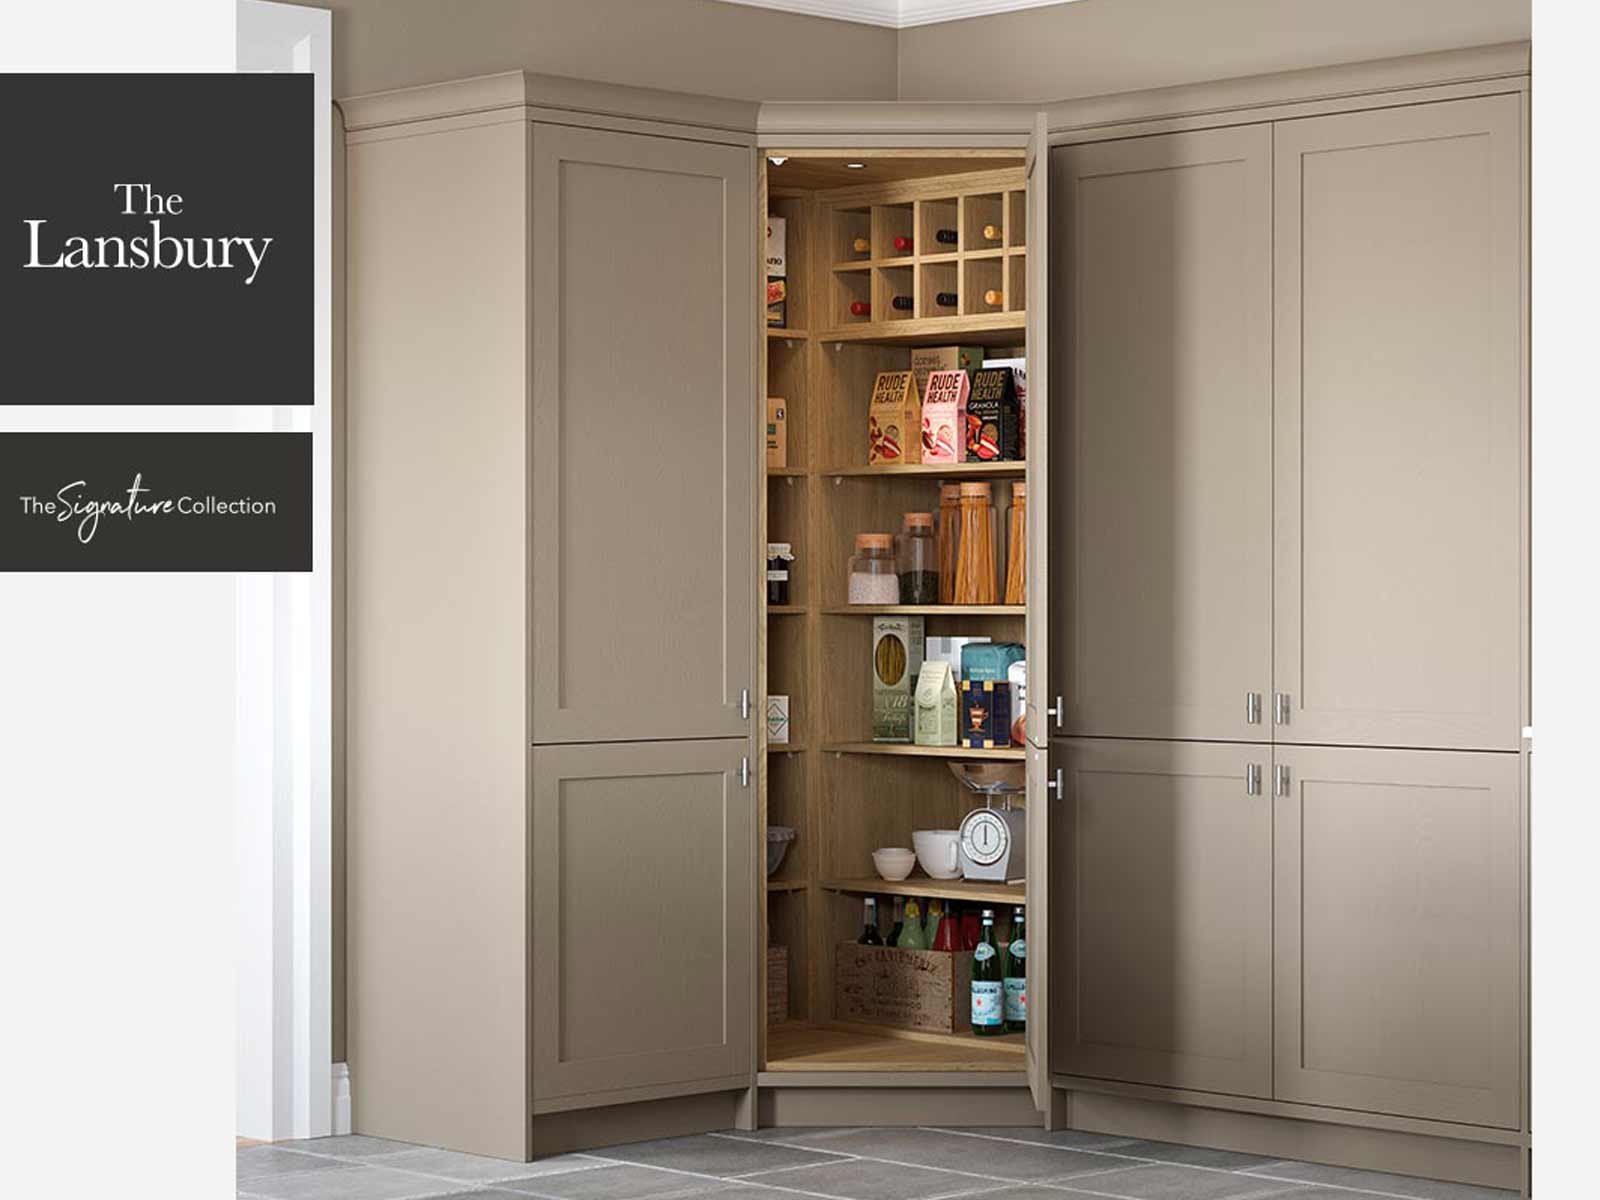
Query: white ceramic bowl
{"x": 893, "y": 863}
{"x": 778, "y": 839}
{"x": 937, "y": 851}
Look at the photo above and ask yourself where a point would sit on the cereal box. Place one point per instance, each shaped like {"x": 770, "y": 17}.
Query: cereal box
{"x": 894, "y": 422}
{"x": 944, "y": 417}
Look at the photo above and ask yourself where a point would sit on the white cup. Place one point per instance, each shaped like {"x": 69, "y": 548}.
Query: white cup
{"x": 937, "y": 851}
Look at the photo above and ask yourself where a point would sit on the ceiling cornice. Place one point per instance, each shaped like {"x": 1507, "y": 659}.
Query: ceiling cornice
{"x": 898, "y": 14}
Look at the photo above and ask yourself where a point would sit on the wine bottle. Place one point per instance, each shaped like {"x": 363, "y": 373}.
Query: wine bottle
{"x": 1014, "y": 975}
{"x": 945, "y": 299}
{"x": 860, "y": 308}
{"x": 912, "y": 936}
{"x": 948, "y": 937}
{"x": 869, "y": 930}
{"x": 902, "y": 243}
{"x": 992, "y": 232}
{"x": 899, "y": 922}
{"x": 993, "y": 296}
{"x": 903, "y": 303}
{"x": 947, "y": 236}
{"x": 988, "y": 988}
{"x": 861, "y": 245}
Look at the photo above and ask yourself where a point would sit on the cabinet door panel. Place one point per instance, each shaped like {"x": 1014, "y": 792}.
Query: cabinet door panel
{"x": 1163, "y": 335}
{"x": 644, "y": 862}
{"x": 643, "y": 436}
{"x": 1161, "y": 922}
{"x": 1399, "y": 918}
{"x": 1398, "y": 426}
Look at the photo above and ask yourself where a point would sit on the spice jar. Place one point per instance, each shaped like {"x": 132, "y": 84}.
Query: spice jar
{"x": 917, "y": 555}
{"x": 779, "y": 556}
{"x": 873, "y": 577}
{"x": 1017, "y": 547}
{"x": 949, "y": 539}
{"x": 976, "y": 581}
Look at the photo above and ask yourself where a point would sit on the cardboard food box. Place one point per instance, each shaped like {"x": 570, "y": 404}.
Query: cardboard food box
{"x": 777, "y": 720}
{"x": 926, "y": 990}
{"x": 777, "y": 984}
{"x": 894, "y": 421}
{"x": 777, "y": 271}
{"x": 896, "y": 660}
{"x": 935, "y": 720}
{"x": 927, "y": 359}
{"x": 944, "y": 417}
{"x": 985, "y": 714}
{"x": 994, "y": 417}
{"x": 777, "y": 432}
{"x": 1017, "y": 677}
{"x": 986, "y": 660}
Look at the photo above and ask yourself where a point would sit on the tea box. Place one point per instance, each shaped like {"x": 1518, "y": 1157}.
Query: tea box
{"x": 777, "y": 720}
{"x": 935, "y": 721}
{"x": 985, "y": 714}
{"x": 896, "y": 660}
{"x": 777, "y": 432}
{"x": 894, "y": 421}
{"x": 944, "y": 417}
{"x": 989, "y": 661}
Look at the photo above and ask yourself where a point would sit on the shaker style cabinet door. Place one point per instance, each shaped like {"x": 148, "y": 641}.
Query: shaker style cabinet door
{"x": 1399, "y": 917}
{"x": 643, "y": 436}
{"x": 1399, "y": 440}
{"x": 644, "y": 863}
{"x": 1161, "y": 915}
{"x": 1161, "y": 508}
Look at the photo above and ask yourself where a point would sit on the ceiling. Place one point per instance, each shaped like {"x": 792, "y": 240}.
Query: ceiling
{"x": 825, "y": 171}
{"x": 898, "y": 14}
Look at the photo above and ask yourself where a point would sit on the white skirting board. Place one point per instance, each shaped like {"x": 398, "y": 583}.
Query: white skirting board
{"x": 341, "y": 1099}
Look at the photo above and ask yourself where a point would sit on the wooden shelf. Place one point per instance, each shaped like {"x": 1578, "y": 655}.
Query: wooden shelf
{"x": 988, "y": 329}
{"x": 785, "y": 610}
{"x": 1010, "y": 753}
{"x": 928, "y": 610}
{"x": 935, "y": 470}
{"x": 783, "y": 333}
{"x": 795, "y": 1047}
{"x": 789, "y": 885}
{"x": 786, "y": 748}
{"x": 786, "y": 472}
{"x": 945, "y": 889}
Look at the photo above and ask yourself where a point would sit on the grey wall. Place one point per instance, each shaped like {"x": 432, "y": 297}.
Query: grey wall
{"x": 684, "y": 45}
{"x": 1093, "y": 47}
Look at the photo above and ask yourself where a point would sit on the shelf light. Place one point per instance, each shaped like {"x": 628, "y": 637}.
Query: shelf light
{"x": 777, "y": 160}
{"x": 855, "y": 166}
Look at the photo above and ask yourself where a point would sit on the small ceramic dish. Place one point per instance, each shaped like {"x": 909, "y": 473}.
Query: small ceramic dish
{"x": 893, "y": 862}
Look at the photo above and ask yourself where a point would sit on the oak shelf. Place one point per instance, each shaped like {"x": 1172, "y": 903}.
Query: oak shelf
{"x": 1016, "y": 469}
{"x": 944, "y": 889}
{"x": 786, "y": 885}
{"x": 988, "y": 329}
{"x": 1008, "y": 753}
{"x": 927, "y": 610}
{"x": 786, "y": 472}
{"x": 786, "y": 747}
{"x": 845, "y": 1047}
{"x": 785, "y": 610}
{"x": 784, "y": 333}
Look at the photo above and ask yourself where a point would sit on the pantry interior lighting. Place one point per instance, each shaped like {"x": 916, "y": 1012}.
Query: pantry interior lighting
{"x": 856, "y": 166}
{"x": 777, "y": 160}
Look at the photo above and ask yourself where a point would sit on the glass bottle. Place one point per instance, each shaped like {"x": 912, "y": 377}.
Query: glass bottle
{"x": 976, "y": 582}
{"x": 1014, "y": 975}
{"x": 869, "y": 930}
{"x": 988, "y": 988}
{"x": 912, "y": 936}
{"x": 917, "y": 554}
{"x": 873, "y": 578}
{"x": 1017, "y": 547}
{"x": 899, "y": 914}
{"x": 948, "y": 935}
{"x": 779, "y": 556}
{"x": 949, "y": 539}
{"x": 971, "y": 929}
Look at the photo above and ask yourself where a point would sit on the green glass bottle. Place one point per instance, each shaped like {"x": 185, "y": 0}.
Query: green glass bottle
{"x": 911, "y": 935}
{"x": 1014, "y": 974}
{"x": 988, "y": 987}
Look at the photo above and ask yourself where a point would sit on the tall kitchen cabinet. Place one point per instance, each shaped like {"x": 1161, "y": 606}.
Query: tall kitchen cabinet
{"x": 1289, "y": 626}
{"x": 552, "y": 606}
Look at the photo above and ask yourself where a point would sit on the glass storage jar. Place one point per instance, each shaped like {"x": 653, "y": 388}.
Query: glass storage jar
{"x": 873, "y": 577}
{"x": 976, "y": 577}
{"x": 779, "y": 556}
{"x": 949, "y": 539}
{"x": 917, "y": 553}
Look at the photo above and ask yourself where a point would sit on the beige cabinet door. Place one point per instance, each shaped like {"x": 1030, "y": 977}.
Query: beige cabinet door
{"x": 1161, "y": 915}
{"x": 1399, "y": 915}
{"x": 1162, "y": 332}
{"x": 644, "y": 863}
{"x": 1398, "y": 420}
{"x": 1044, "y": 716}
{"x": 643, "y": 436}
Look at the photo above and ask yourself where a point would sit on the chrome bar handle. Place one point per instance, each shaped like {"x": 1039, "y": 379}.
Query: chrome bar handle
{"x": 1252, "y": 780}
{"x": 1252, "y": 708}
{"x": 1280, "y": 780}
{"x": 1280, "y": 708}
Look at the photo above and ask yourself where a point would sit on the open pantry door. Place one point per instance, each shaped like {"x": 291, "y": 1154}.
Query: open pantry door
{"x": 1042, "y": 791}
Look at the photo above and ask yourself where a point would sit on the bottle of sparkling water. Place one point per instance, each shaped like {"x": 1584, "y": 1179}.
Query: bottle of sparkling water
{"x": 1014, "y": 975}
{"x": 988, "y": 988}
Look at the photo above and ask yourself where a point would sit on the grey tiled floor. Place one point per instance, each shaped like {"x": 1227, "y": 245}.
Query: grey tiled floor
{"x": 839, "y": 1164}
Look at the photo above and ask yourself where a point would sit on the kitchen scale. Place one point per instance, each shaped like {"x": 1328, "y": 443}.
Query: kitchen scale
{"x": 993, "y": 843}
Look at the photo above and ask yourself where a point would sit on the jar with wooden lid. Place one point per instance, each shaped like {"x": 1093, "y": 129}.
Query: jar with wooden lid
{"x": 949, "y": 539}
{"x": 874, "y": 578}
{"x": 917, "y": 553}
{"x": 1017, "y": 546}
{"x": 976, "y": 578}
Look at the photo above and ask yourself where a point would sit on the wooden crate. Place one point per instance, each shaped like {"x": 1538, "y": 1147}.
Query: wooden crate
{"x": 777, "y": 984}
{"x": 924, "y": 990}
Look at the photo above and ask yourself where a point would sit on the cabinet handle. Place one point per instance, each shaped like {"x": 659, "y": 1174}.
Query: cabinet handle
{"x": 1059, "y": 712}
{"x": 1280, "y": 708}
{"x": 1055, "y": 785}
{"x": 744, "y": 772}
{"x": 744, "y": 704}
{"x": 1252, "y": 708}
{"x": 1280, "y": 780}
{"x": 1252, "y": 780}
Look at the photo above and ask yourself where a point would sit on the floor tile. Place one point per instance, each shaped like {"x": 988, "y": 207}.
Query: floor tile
{"x": 352, "y": 1145}
{"x": 1071, "y": 1139}
{"x": 788, "y": 1134}
{"x": 710, "y": 1154}
{"x": 1194, "y": 1156}
{"x": 353, "y": 1183}
{"x": 625, "y": 1181}
{"x": 473, "y": 1168}
{"x": 257, "y": 1162}
{"x": 1017, "y": 1162}
{"x": 1378, "y": 1181}
{"x": 867, "y": 1179}
{"x": 1170, "y": 1183}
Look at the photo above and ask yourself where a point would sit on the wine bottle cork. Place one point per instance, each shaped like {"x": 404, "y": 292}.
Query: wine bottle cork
{"x": 993, "y": 296}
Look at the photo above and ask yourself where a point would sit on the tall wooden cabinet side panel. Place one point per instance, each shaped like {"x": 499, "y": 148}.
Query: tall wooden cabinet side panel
{"x": 1163, "y": 440}
{"x": 1399, "y": 926}
{"x": 1161, "y": 915}
{"x": 643, "y": 442}
{"x": 1400, "y": 548}
{"x": 437, "y": 653}
{"x": 644, "y": 900}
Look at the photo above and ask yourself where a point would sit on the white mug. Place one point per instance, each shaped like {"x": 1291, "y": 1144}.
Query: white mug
{"x": 937, "y": 851}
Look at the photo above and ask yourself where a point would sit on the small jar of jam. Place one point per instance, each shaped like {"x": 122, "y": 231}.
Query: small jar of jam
{"x": 779, "y": 556}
